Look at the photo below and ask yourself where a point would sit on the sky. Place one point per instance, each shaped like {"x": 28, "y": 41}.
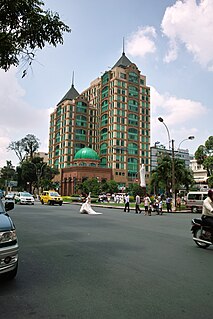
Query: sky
{"x": 170, "y": 41}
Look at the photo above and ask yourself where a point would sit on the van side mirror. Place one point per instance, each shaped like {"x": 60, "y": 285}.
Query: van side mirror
{"x": 9, "y": 206}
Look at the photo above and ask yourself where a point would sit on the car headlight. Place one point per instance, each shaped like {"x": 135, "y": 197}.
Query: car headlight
{"x": 7, "y": 236}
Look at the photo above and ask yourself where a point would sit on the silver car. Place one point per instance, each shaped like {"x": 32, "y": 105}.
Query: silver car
{"x": 8, "y": 243}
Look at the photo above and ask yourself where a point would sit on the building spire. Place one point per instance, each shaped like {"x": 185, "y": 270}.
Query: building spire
{"x": 73, "y": 79}
{"x": 123, "y": 47}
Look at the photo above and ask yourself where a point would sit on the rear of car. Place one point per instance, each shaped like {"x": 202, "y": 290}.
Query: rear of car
{"x": 8, "y": 243}
{"x": 51, "y": 198}
{"x": 194, "y": 201}
{"x": 24, "y": 198}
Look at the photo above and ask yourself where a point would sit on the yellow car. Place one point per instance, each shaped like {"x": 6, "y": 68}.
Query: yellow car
{"x": 51, "y": 198}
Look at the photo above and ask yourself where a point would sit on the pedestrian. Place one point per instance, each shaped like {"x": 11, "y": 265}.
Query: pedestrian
{"x": 160, "y": 207}
{"x": 178, "y": 202}
{"x": 168, "y": 204}
{"x": 147, "y": 202}
{"x": 137, "y": 204}
{"x": 126, "y": 202}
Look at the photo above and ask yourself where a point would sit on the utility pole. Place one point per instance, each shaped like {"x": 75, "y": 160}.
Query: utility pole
{"x": 173, "y": 174}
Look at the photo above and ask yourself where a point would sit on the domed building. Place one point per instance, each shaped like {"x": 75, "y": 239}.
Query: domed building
{"x": 85, "y": 165}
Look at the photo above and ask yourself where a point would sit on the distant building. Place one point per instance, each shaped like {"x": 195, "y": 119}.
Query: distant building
{"x": 112, "y": 117}
{"x": 158, "y": 150}
{"x": 200, "y": 174}
{"x": 43, "y": 155}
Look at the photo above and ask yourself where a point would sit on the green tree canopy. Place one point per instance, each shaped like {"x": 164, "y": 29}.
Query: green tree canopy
{"x": 24, "y": 27}
{"x": 204, "y": 156}
{"x": 161, "y": 177}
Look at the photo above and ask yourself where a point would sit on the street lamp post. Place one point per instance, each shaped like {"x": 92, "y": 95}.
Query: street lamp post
{"x": 160, "y": 119}
{"x": 185, "y": 139}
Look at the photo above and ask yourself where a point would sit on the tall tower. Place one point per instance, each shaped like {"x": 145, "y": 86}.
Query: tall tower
{"x": 112, "y": 116}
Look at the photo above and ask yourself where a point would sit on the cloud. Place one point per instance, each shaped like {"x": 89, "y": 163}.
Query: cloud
{"x": 17, "y": 117}
{"x": 180, "y": 115}
{"x": 141, "y": 42}
{"x": 190, "y": 23}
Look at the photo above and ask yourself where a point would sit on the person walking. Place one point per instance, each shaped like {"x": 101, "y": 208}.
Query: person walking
{"x": 137, "y": 204}
{"x": 168, "y": 204}
{"x": 126, "y": 201}
{"x": 147, "y": 202}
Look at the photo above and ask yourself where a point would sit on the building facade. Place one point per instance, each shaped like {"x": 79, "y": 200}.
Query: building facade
{"x": 158, "y": 150}
{"x": 112, "y": 117}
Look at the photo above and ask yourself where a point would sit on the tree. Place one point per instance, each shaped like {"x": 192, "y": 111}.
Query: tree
{"x": 204, "y": 156}
{"x": 35, "y": 173}
{"x": 24, "y": 27}
{"x": 7, "y": 174}
{"x": 26, "y": 147}
{"x": 161, "y": 177}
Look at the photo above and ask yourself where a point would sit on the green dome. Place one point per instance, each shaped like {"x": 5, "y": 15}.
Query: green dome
{"x": 86, "y": 153}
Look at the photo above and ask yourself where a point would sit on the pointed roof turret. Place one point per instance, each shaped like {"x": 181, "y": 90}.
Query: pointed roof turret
{"x": 71, "y": 94}
{"x": 123, "y": 61}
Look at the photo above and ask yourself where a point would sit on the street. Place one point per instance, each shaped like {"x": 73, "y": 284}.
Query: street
{"x": 112, "y": 266}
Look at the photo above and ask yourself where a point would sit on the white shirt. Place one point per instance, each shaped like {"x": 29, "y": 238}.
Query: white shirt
{"x": 207, "y": 207}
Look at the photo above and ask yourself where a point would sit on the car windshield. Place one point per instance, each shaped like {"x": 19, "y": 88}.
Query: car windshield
{"x": 54, "y": 194}
{"x": 26, "y": 194}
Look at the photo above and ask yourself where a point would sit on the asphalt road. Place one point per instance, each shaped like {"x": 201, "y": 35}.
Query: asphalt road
{"x": 112, "y": 266}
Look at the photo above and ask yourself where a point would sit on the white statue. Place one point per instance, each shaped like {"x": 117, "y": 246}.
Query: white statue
{"x": 142, "y": 176}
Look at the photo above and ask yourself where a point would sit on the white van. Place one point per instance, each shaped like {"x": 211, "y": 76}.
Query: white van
{"x": 194, "y": 200}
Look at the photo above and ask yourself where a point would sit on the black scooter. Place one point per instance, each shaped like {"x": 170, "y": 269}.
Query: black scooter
{"x": 202, "y": 233}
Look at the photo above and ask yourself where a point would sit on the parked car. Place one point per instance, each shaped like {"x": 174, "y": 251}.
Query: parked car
{"x": 10, "y": 196}
{"x": 194, "y": 200}
{"x": 51, "y": 198}
{"x": 24, "y": 198}
{"x": 8, "y": 243}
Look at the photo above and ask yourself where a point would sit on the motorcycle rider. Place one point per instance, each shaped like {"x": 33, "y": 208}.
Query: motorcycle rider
{"x": 207, "y": 211}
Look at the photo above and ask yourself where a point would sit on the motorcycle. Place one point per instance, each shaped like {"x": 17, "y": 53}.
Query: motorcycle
{"x": 202, "y": 233}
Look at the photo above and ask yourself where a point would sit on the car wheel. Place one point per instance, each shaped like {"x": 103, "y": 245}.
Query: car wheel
{"x": 60, "y": 204}
{"x": 42, "y": 202}
{"x": 49, "y": 202}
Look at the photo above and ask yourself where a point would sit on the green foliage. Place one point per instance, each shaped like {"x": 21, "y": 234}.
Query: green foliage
{"x": 36, "y": 173}
{"x": 24, "y": 27}
{"x": 135, "y": 189}
{"x": 161, "y": 177}
{"x": 8, "y": 173}
{"x": 204, "y": 156}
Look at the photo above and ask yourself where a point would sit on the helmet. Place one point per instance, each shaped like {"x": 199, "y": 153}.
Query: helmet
{"x": 210, "y": 193}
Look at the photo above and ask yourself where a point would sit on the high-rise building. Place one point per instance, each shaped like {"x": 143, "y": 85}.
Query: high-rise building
{"x": 112, "y": 117}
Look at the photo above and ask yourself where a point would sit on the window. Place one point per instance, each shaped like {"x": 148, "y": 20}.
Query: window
{"x": 103, "y": 149}
{"x": 103, "y": 162}
{"x": 133, "y": 91}
{"x": 104, "y": 92}
{"x": 104, "y": 134}
{"x": 105, "y": 78}
{"x": 133, "y": 77}
{"x": 133, "y": 119}
{"x": 104, "y": 120}
{"x": 122, "y": 75}
{"x": 133, "y": 149}
{"x": 81, "y": 120}
{"x": 81, "y": 107}
{"x": 80, "y": 135}
{"x": 104, "y": 106}
{"x": 132, "y": 167}
{"x": 132, "y": 134}
{"x": 133, "y": 105}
